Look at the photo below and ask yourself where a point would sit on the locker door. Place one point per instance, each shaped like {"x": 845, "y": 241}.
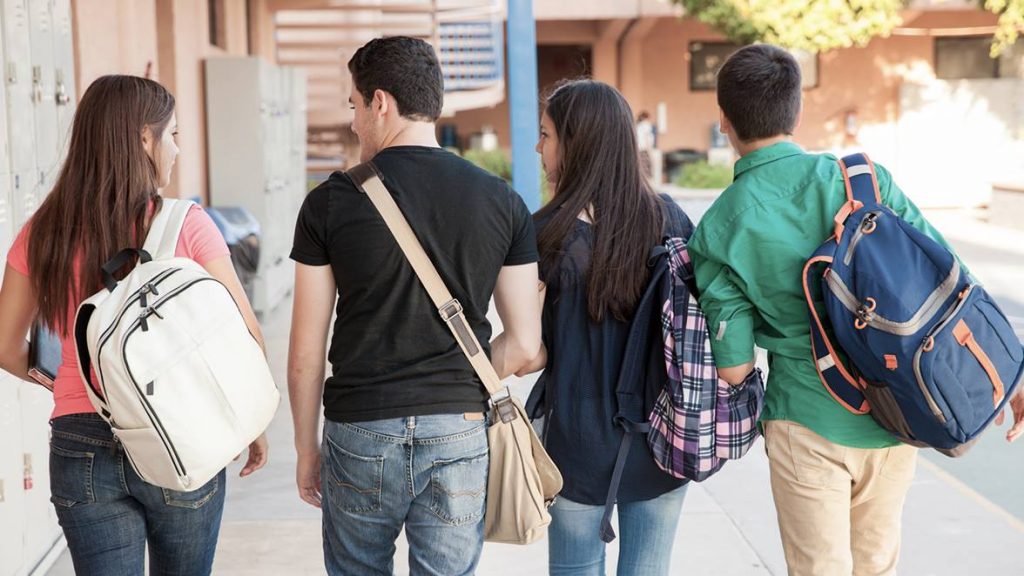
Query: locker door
{"x": 64, "y": 74}
{"x": 12, "y": 495}
{"x": 270, "y": 88}
{"x": 298, "y": 138}
{"x": 282, "y": 147}
{"x": 18, "y": 82}
{"x": 23, "y": 196}
{"x": 5, "y": 139}
{"x": 40, "y": 521}
{"x": 43, "y": 85}
{"x": 7, "y": 229}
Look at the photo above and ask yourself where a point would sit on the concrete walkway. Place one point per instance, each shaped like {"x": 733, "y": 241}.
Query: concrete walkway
{"x": 727, "y": 528}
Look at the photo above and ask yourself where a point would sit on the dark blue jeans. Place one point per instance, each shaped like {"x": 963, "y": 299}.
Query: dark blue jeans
{"x": 109, "y": 514}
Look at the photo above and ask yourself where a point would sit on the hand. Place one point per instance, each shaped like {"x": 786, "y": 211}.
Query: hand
{"x": 307, "y": 478}
{"x": 1017, "y": 405}
{"x": 257, "y": 456}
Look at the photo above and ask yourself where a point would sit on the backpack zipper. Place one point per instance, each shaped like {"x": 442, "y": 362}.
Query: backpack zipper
{"x": 950, "y": 314}
{"x": 109, "y": 332}
{"x": 135, "y": 298}
{"x": 924, "y": 314}
{"x": 870, "y": 220}
{"x": 179, "y": 466}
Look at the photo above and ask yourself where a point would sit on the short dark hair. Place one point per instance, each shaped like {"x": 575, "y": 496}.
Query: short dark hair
{"x": 407, "y": 68}
{"x": 759, "y": 90}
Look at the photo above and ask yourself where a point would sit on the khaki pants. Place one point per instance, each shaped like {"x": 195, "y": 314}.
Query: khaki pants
{"x": 839, "y": 508}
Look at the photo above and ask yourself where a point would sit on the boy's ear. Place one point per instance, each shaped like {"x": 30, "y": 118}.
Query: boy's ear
{"x": 380, "y": 102}
{"x": 724, "y": 126}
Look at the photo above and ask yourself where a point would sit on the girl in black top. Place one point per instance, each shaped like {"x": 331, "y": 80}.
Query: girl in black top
{"x": 594, "y": 237}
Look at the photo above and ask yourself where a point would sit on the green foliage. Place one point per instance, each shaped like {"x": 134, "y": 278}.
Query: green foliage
{"x": 1011, "y": 22}
{"x": 494, "y": 161}
{"x": 812, "y": 25}
{"x": 700, "y": 174}
{"x": 545, "y": 189}
{"x": 823, "y": 25}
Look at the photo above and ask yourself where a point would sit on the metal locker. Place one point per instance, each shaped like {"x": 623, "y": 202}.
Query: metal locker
{"x": 44, "y": 88}
{"x": 64, "y": 74}
{"x": 298, "y": 138}
{"x": 246, "y": 95}
{"x": 5, "y": 140}
{"x": 18, "y": 82}
{"x": 41, "y": 529}
{"x": 23, "y": 196}
{"x": 44, "y": 185}
{"x": 7, "y": 226}
{"x": 12, "y": 494}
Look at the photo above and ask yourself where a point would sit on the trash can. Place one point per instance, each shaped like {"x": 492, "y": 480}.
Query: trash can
{"x": 718, "y": 140}
{"x": 241, "y": 231}
{"x": 676, "y": 159}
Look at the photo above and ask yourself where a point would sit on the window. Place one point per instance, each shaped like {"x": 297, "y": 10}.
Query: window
{"x": 808, "y": 62}
{"x": 705, "y": 60}
{"x": 965, "y": 57}
{"x": 707, "y": 57}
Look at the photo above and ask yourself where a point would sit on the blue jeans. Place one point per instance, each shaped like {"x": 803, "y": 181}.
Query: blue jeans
{"x": 109, "y": 515}
{"x": 647, "y": 530}
{"x": 426, "y": 472}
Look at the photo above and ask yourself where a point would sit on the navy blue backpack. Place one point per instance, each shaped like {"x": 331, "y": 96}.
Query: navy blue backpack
{"x": 921, "y": 346}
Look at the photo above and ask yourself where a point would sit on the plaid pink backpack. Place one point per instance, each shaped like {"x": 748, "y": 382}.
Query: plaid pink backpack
{"x": 699, "y": 421}
{"x": 668, "y": 388}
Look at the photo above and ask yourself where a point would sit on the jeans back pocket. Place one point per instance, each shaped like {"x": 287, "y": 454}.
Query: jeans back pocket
{"x": 71, "y": 476}
{"x": 458, "y": 489}
{"x": 354, "y": 482}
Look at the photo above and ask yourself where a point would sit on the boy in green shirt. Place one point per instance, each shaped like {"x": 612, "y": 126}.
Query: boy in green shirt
{"x": 838, "y": 479}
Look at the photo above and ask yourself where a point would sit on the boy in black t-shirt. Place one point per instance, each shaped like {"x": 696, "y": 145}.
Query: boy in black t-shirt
{"x": 404, "y": 440}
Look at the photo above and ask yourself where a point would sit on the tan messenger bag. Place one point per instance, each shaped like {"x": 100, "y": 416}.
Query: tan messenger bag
{"x": 522, "y": 480}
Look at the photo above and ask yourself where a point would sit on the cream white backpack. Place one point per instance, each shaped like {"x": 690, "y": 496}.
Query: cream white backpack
{"x": 180, "y": 379}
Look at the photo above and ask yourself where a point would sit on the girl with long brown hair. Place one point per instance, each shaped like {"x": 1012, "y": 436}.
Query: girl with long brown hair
{"x": 595, "y": 237}
{"x": 121, "y": 152}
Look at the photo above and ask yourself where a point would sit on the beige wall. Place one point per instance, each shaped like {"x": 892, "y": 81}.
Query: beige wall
{"x": 114, "y": 36}
{"x": 648, "y": 60}
{"x": 123, "y": 36}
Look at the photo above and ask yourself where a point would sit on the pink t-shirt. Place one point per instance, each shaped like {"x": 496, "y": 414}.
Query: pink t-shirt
{"x": 200, "y": 240}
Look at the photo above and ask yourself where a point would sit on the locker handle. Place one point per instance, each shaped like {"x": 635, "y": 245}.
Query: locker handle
{"x": 37, "y": 84}
{"x": 62, "y": 95}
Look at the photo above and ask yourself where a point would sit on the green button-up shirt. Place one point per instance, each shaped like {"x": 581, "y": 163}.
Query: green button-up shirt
{"x": 749, "y": 251}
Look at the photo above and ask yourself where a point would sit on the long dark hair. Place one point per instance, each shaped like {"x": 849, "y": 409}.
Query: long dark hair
{"x": 101, "y": 200}
{"x": 600, "y": 173}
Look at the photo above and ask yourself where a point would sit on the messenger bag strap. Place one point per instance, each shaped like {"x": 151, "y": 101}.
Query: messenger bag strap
{"x": 367, "y": 178}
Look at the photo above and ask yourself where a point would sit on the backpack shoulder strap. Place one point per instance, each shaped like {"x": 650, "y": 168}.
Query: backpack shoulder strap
{"x": 166, "y": 227}
{"x": 840, "y": 381}
{"x": 859, "y": 177}
{"x": 861, "y": 189}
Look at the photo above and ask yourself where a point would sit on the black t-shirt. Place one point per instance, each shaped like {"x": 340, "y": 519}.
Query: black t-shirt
{"x": 391, "y": 355}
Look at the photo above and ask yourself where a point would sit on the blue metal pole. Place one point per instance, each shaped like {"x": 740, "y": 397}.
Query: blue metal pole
{"x": 523, "y": 100}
